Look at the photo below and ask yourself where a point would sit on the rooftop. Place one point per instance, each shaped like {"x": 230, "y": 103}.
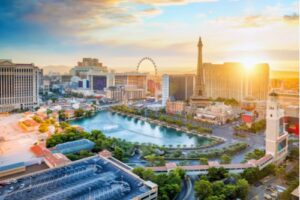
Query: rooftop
{"x": 73, "y": 146}
{"x": 91, "y": 178}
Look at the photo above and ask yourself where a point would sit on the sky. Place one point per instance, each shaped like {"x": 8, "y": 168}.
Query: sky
{"x": 121, "y": 32}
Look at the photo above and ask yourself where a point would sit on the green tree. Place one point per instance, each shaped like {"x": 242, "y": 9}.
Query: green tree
{"x": 49, "y": 111}
{"x": 151, "y": 159}
{"x": 242, "y": 188}
{"x": 180, "y": 172}
{"x": 251, "y": 174}
{"x": 64, "y": 125}
{"x": 294, "y": 154}
{"x": 230, "y": 191}
{"x": 280, "y": 172}
{"x": 118, "y": 153}
{"x": 54, "y": 99}
{"x": 225, "y": 159}
{"x": 203, "y": 160}
{"x": 220, "y": 197}
{"x": 256, "y": 154}
{"x": 79, "y": 112}
{"x": 61, "y": 115}
{"x": 139, "y": 171}
{"x": 217, "y": 187}
{"x": 203, "y": 189}
{"x": 177, "y": 153}
{"x": 215, "y": 174}
{"x": 88, "y": 113}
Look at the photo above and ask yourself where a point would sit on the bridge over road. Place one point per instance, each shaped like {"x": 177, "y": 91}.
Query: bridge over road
{"x": 203, "y": 169}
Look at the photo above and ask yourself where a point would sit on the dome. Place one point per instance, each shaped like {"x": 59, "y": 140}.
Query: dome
{"x": 249, "y": 103}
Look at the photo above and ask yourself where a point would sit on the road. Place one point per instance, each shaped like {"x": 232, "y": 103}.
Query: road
{"x": 255, "y": 141}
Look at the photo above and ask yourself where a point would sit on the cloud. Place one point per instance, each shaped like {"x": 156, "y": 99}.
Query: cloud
{"x": 256, "y": 21}
{"x": 84, "y": 15}
{"x": 172, "y": 2}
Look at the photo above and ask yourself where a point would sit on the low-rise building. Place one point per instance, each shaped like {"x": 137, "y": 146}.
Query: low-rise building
{"x": 96, "y": 177}
{"x": 115, "y": 93}
{"x": 175, "y": 107}
{"x": 218, "y": 113}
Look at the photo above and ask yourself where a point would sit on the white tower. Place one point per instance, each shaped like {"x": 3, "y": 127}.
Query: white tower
{"x": 165, "y": 89}
{"x": 276, "y": 136}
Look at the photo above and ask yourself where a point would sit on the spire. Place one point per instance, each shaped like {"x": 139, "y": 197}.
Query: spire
{"x": 200, "y": 44}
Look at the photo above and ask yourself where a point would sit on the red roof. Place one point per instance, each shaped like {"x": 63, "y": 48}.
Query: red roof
{"x": 105, "y": 153}
{"x": 37, "y": 150}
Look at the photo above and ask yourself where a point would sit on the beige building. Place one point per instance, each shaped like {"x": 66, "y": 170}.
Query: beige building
{"x": 88, "y": 66}
{"x": 131, "y": 80}
{"x": 115, "y": 93}
{"x": 175, "y": 107}
{"x": 218, "y": 113}
{"x": 19, "y": 86}
{"x": 233, "y": 80}
{"x": 125, "y": 94}
{"x": 134, "y": 94}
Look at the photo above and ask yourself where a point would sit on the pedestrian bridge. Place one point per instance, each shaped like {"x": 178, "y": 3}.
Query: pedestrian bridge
{"x": 203, "y": 169}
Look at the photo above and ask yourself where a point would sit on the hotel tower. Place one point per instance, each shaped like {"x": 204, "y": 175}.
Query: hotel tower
{"x": 19, "y": 86}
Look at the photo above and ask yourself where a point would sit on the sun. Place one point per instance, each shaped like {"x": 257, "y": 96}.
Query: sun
{"x": 249, "y": 63}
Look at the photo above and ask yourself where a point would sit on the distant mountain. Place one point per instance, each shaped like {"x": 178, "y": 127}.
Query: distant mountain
{"x": 284, "y": 74}
{"x": 62, "y": 69}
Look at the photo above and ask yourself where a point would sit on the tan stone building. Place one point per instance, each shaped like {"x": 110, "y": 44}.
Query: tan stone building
{"x": 19, "y": 86}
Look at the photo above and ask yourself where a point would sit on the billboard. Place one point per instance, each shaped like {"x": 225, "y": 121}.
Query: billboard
{"x": 99, "y": 82}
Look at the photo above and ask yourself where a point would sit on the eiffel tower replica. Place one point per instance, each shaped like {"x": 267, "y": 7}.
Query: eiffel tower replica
{"x": 199, "y": 98}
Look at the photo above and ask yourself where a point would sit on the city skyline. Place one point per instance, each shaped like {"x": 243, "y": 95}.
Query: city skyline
{"x": 129, "y": 31}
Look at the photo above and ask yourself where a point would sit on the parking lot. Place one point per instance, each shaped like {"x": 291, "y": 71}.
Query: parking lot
{"x": 266, "y": 189}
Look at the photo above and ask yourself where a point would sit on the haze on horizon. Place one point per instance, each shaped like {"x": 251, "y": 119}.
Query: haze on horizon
{"x": 120, "y": 33}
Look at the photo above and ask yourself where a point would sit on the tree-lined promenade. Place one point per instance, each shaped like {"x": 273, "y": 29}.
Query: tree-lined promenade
{"x": 159, "y": 117}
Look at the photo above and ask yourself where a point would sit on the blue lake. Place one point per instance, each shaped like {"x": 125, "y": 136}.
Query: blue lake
{"x": 135, "y": 130}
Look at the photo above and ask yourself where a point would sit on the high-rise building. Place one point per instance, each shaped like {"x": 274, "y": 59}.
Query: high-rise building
{"x": 177, "y": 87}
{"x": 228, "y": 80}
{"x": 131, "y": 80}
{"x": 97, "y": 75}
{"x": 88, "y": 66}
{"x": 276, "y": 136}
{"x": 233, "y": 80}
{"x": 165, "y": 89}
{"x": 19, "y": 86}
